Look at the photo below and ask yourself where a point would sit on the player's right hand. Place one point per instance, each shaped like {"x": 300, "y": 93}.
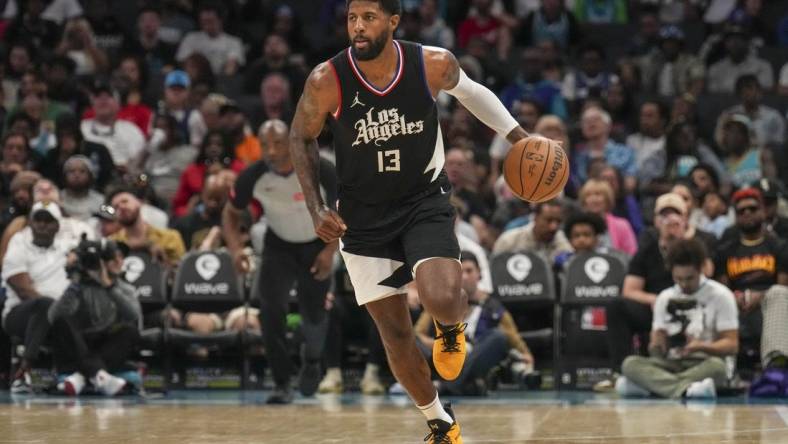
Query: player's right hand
{"x": 329, "y": 226}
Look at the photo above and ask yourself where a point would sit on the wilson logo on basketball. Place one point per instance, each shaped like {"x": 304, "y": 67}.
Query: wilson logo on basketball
{"x": 381, "y": 126}
{"x": 558, "y": 161}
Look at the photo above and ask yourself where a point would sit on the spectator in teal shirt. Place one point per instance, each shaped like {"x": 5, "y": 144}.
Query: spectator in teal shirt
{"x": 601, "y": 11}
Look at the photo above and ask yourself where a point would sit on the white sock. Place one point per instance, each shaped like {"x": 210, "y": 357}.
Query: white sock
{"x": 334, "y": 373}
{"x": 371, "y": 370}
{"x": 434, "y": 410}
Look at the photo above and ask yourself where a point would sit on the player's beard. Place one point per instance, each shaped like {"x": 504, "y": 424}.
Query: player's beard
{"x": 374, "y": 48}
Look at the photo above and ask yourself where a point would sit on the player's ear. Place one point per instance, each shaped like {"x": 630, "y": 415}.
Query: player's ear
{"x": 394, "y": 21}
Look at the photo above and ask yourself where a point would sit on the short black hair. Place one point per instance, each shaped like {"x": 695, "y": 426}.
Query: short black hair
{"x": 557, "y": 202}
{"x": 468, "y": 256}
{"x": 714, "y": 193}
{"x": 392, "y": 7}
{"x": 745, "y": 81}
{"x": 11, "y": 134}
{"x": 592, "y": 47}
{"x": 662, "y": 108}
{"x": 715, "y": 178}
{"x": 149, "y": 7}
{"x": 215, "y": 7}
{"x": 690, "y": 252}
{"x": 119, "y": 189}
{"x": 22, "y": 116}
{"x": 585, "y": 218}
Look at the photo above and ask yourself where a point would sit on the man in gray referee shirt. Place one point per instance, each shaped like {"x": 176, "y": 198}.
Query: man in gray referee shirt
{"x": 293, "y": 253}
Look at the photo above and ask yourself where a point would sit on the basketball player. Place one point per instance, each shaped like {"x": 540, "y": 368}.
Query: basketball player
{"x": 394, "y": 217}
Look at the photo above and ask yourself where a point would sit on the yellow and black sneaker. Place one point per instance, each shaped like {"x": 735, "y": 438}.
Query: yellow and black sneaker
{"x": 448, "y": 351}
{"x": 441, "y": 432}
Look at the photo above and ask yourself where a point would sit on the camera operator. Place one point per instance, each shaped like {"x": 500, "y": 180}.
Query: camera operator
{"x": 696, "y": 326}
{"x": 101, "y": 314}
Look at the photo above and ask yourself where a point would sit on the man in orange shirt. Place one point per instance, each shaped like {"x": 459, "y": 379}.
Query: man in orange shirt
{"x": 233, "y": 123}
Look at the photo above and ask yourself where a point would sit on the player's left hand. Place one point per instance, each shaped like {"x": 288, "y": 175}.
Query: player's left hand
{"x": 324, "y": 263}
{"x": 329, "y": 225}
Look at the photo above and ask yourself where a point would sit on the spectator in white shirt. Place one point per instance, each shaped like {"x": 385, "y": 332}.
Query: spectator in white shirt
{"x": 651, "y": 138}
{"x": 224, "y": 51}
{"x": 80, "y": 200}
{"x": 123, "y": 139}
{"x": 34, "y": 275}
{"x": 737, "y": 62}
{"x": 57, "y": 11}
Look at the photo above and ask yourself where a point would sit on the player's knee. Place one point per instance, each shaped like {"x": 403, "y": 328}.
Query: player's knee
{"x": 447, "y": 292}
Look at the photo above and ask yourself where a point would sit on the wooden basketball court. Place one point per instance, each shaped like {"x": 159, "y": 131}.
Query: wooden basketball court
{"x": 233, "y": 417}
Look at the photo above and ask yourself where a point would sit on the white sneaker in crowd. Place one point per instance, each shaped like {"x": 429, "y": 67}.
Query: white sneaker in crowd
{"x": 332, "y": 382}
{"x": 397, "y": 389}
{"x": 628, "y": 389}
{"x": 23, "y": 384}
{"x": 702, "y": 389}
{"x": 73, "y": 384}
{"x": 371, "y": 385}
{"x": 108, "y": 384}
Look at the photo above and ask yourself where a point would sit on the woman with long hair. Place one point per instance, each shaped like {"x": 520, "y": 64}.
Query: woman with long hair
{"x": 216, "y": 154}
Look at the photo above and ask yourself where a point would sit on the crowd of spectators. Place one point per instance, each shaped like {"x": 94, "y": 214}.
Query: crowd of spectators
{"x": 132, "y": 120}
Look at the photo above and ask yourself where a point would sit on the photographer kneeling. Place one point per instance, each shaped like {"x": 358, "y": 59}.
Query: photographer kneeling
{"x": 101, "y": 317}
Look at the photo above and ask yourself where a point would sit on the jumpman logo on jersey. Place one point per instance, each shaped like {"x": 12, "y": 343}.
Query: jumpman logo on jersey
{"x": 357, "y": 102}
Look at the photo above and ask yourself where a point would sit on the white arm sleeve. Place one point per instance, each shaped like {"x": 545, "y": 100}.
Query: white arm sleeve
{"x": 483, "y": 104}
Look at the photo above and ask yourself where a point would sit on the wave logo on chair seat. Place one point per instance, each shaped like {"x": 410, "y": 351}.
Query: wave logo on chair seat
{"x": 596, "y": 269}
{"x": 133, "y": 267}
{"x": 519, "y": 266}
{"x": 208, "y": 266}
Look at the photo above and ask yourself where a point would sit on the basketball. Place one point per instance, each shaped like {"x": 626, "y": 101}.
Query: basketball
{"x": 536, "y": 169}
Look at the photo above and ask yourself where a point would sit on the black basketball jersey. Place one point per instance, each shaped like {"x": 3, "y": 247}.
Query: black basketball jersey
{"x": 387, "y": 142}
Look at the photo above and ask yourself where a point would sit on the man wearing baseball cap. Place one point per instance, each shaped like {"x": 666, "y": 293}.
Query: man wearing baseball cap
{"x": 772, "y": 192}
{"x": 670, "y": 70}
{"x": 177, "y": 87}
{"x": 34, "y": 275}
{"x": 738, "y": 61}
{"x": 123, "y": 139}
{"x": 751, "y": 263}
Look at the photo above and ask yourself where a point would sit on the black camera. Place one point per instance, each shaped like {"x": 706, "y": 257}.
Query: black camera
{"x": 678, "y": 308}
{"x": 90, "y": 253}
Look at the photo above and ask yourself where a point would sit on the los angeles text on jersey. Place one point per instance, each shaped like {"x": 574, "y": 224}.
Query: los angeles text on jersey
{"x": 381, "y": 126}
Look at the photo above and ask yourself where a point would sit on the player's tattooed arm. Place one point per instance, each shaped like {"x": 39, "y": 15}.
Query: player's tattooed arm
{"x": 319, "y": 99}
{"x": 313, "y": 108}
{"x": 444, "y": 73}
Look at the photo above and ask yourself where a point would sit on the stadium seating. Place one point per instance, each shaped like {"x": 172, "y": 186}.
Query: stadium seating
{"x": 525, "y": 284}
{"x": 591, "y": 281}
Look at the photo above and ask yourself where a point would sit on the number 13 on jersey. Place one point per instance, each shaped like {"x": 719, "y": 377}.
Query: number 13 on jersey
{"x": 388, "y": 161}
